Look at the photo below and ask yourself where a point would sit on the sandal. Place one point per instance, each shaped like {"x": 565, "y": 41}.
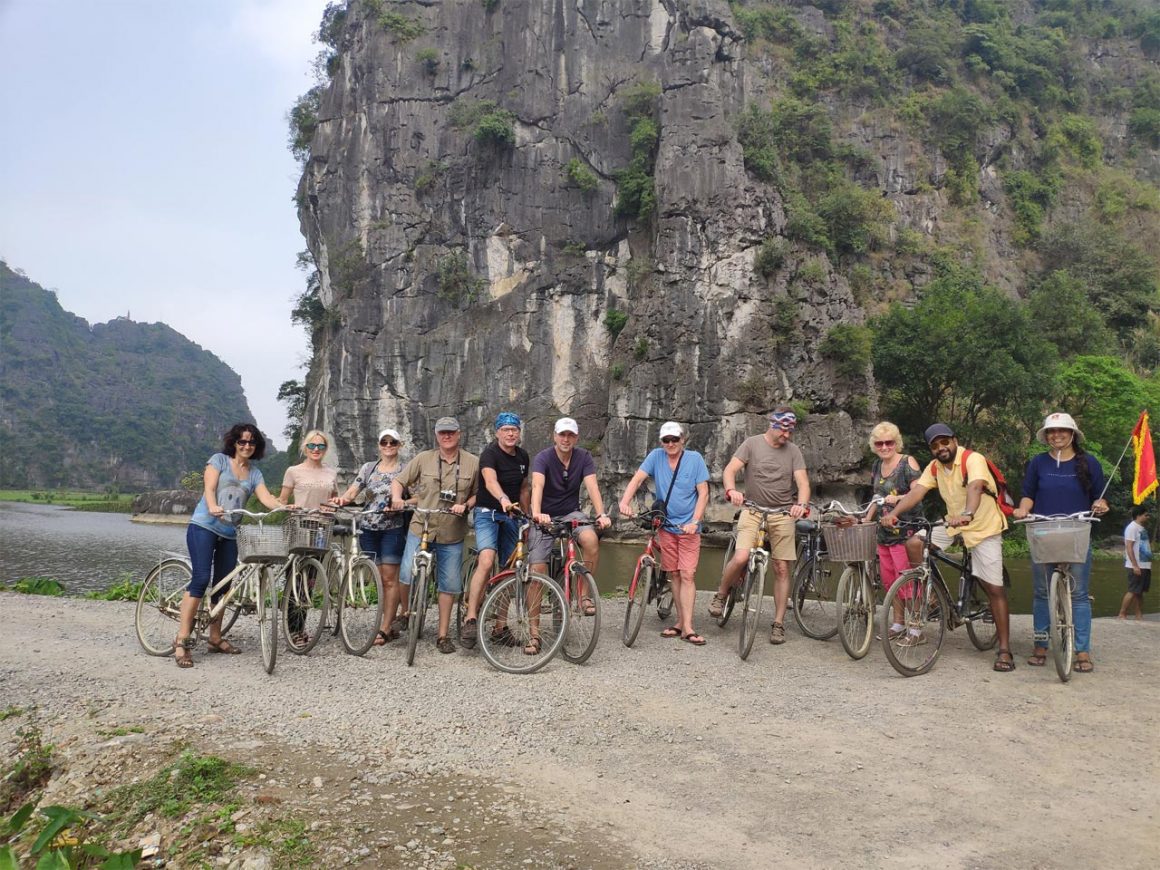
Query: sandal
{"x": 181, "y": 652}
{"x": 717, "y": 606}
{"x": 1084, "y": 666}
{"x": 223, "y": 646}
{"x": 671, "y": 631}
{"x": 444, "y": 645}
{"x": 533, "y": 646}
{"x": 1004, "y": 665}
{"x": 777, "y": 633}
{"x": 589, "y": 606}
{"x": 693, "y": 638}
{"x": 1038, "y": 658}
{"x": 469, "y": 633}
{"x": 385, "y": 637}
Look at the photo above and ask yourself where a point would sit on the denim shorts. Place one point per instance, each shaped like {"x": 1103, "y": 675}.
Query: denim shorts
{"x": 385, "y": 546}
{"x": 448, "y": 564}
{"x": 495, "y": 530}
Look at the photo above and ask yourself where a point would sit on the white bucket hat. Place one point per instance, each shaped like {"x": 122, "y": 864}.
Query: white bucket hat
{"x": 1058, "y": 420}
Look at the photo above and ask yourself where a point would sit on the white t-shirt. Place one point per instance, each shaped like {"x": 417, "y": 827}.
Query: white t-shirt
{"x": 1136, "y": 537}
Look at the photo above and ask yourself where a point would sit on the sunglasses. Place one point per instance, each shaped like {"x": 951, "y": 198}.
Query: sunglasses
{"x": 669, "y": 439}
{"x": 941, "y": 441}
{"x": 245, "y": 442}
{"x": 315, "y": 446}
{"x": 387, "y": 442}
{"x": 883, "y": 443}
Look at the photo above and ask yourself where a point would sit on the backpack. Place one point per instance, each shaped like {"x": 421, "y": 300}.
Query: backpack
{"x": 1003, "y": 499}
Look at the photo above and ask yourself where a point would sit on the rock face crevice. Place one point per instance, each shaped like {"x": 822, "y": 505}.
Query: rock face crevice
{"x": 465, "y": 275}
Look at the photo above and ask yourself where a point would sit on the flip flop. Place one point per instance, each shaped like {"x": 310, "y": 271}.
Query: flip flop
{"x": 224, "y": 647}
{"x": 1036, "y": 660}
{"x": 693, "y": 638}
{"x": 671, "y": 631}
{"x": 1084, "y": 666}
{"x": 1004, "y": 666}
{"x": 589, "y": 606}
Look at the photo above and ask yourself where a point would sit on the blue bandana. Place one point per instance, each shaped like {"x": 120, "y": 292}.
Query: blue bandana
{"x": 784, "y": 420}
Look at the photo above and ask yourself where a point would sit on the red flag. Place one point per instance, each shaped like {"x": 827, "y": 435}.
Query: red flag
{"x": 1144, "y": 481}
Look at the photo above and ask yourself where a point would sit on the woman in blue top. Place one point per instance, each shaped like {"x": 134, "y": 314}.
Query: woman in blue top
{"x": 230, "y": 480}
{"x": 1064, "y": 480}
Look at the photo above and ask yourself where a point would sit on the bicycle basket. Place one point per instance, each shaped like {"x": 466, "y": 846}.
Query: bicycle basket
{"x": 855, "y": 543}
{"x": 1055, "y": 541}
{"x": 309, "y": 533}
{"x": 262, "y": 543}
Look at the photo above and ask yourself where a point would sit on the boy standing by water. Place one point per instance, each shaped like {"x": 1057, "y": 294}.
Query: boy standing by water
{"x": 1138, "y": 561}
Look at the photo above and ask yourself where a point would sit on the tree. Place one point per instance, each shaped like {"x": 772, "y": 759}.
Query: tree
{"x": 293, "y": 394}
{"x": 1063, "y": 313}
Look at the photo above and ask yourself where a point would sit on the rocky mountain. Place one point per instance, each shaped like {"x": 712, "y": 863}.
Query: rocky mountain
{"x": 636, "y": 210}
{"x": 125, "y": 404}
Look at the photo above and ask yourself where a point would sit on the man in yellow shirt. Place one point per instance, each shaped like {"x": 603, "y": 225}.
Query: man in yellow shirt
{"x": 971, "y": 514}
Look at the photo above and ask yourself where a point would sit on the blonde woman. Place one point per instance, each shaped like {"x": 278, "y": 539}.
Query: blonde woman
{"x": 310, "y": 482}
{"x": 891, "y": 476}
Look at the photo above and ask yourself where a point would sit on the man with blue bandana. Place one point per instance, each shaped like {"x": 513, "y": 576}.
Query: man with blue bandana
{"x": 775, "y": 477}
{"x": 502, "y": 485}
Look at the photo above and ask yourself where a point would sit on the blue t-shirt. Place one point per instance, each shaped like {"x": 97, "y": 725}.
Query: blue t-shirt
{"x": 1056, "y": 489}
{"x": 232, "y": 494}
{"x": 691, "y": 472}
{"x": 561, "y": 494}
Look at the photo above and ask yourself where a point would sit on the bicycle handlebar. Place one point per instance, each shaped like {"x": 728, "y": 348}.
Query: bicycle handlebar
{"x": 256, "y": 516}
{"x": 768, "y": 511}
{"x": 1082, "y": 516}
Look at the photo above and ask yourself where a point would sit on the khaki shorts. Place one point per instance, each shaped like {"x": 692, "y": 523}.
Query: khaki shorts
{"x": 779, "y": 541}
{"x": 986, "y": 556}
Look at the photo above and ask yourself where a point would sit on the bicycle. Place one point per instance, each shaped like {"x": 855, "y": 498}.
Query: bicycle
{"x": 523, "y": 618}
{"x": 254, "y": 582}
{"x": 856, "y": 544}
{"x": 1060, "y": 541}
{"x": 354, "y": 585}
{"x": 813, "y": 597}
{"x": 424, "y": 582}
{"x": 752, "y": 583}
{"x": 649, "y": 582}
{"x": 579, "y": 586}
{"x": 927, "y": 610}
{"x": 306, "y": 593}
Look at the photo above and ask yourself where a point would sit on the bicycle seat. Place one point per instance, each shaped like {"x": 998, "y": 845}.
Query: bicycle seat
{"x": 340, "y": 529}
{"x": 806, "y": 527}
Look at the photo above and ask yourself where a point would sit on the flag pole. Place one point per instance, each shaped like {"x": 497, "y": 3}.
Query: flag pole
{"x": 1116, "y": 467}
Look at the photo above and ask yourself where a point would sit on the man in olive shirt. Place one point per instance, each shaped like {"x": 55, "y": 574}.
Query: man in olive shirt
{"x": 441, "y": 478}
{"x": 775, "y": 477}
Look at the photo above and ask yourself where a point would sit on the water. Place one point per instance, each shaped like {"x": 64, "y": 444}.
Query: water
{"x": 91, "y": 551}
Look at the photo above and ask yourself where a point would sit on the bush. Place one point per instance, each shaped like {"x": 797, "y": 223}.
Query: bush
{"x": 428, "y": 58}
{"x": 1144, "y": 124}
{"x": 615, "y": 321}
{"x": 403, "y": 28}
{"x": 580, "y": 175}
{"x": 848, "y": 346}
{"x": 457, "y": 284}
{"x": 429, "y": 175}
{"x": 770, "y": 257}
{"x": 1030, "y": 195}
{"x": 303, "y": 120}
{"x": 487, "y": 122}
{"x": 640, "y": 349}
{"x": 635, "y": 187}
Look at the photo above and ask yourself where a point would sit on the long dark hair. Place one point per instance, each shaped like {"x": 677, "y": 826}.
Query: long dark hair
{"x": 1083, "y": 472}
{"x": 230, "y": 440}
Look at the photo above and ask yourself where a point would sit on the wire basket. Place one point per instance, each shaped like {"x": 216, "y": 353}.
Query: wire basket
{"x": 1056, "y": 541}
{"x": 853, "y": 543}
{"x": 262, "y": 543}
{"x": 309, "y": 533}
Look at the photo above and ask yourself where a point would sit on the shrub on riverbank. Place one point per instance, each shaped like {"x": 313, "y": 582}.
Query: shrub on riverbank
{"x": 101, "y": 502}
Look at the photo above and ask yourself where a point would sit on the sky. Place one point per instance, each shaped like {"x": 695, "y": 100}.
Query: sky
{"x": 144, "y": 169}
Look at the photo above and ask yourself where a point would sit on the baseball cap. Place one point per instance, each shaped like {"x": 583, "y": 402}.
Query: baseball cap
{"x": 671, "y": 429}
{"x": 392, "y": 433}
{"x": 938, "y": 430}
{"x": 567, "y": 424}
{"x": 446, "y": 424}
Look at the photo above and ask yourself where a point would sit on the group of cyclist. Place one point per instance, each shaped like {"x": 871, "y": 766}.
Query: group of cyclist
{"x": 486, "y": 489}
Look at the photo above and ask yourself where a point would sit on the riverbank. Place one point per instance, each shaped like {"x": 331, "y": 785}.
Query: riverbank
{"x": 98, "y": 502}
{"x": 663, "y": 755}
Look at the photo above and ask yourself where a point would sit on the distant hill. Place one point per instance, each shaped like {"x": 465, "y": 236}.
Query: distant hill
{"x": 129, "y": 404}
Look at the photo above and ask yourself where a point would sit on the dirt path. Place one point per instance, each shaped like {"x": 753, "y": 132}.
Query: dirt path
{"x": 663, "y": 755}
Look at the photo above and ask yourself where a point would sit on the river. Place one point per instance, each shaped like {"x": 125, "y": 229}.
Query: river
{"x": 91, "y": 551}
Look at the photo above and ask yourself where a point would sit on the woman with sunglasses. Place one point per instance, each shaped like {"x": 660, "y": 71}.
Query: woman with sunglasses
{"x": 891, "y": 476}
{"x": 230, "y": 480}
{"x": 310, "y": 483}
{"x": 382, "y": 535}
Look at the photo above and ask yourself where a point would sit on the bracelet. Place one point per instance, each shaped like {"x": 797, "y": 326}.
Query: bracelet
{"x": 727, "y": 491}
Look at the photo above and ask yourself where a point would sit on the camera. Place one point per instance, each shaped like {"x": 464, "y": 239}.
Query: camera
{"x": 447, "y": 495}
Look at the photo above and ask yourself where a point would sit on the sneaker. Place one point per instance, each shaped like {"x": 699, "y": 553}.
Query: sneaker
{"x": 717, "y": 606}
{"x": 444, "y": 645}
{"x": 777, "y": 633}
{"x": 469, "y": 634}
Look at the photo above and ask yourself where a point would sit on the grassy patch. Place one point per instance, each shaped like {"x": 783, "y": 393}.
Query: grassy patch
{"x": 37, "y": 586}
{"x": 106, "y": 502}
{"x": 177, "y": 788}
{"x": 28, "y": 771}
{"x": 286, "y": 838}
{"x": 124, "y": 589}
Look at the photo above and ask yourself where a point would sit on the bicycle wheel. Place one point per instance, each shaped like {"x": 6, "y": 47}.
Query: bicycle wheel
{"x": 981, "y": 628}
{"x": 360, "y": 606}
{"x": 582, "y": 630}
{"x": 638, "y": 599}
{"x": 913, "y": 650}
{"x": 516, "y": 611}
{"x": 813, "y": 598}
{"x": 159, "y": 606}
{"x": 305, "y": 600}
{"x": 855, "y": 609}
{"x": 664, "y": 596}
{"x": 753, "y": 586}
{"x": 735, "y": 590}
{"x": 268, "y": 617}
{"x": 417, "y": 607}
{"x": 1062, "y": 637}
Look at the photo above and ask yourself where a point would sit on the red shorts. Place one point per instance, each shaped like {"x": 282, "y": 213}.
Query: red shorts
{"x": 679, "y": 552}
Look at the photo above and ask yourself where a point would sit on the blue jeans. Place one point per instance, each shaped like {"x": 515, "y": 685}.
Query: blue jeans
{"x": 209, "y": 553}
{"x": 495, "y": 530}
{"x": 448, "y": 565}
{"x": 1081, "y": 606}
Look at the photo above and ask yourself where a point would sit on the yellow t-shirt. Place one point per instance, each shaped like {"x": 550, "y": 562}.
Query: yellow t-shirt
{"x": 988, "y": 519}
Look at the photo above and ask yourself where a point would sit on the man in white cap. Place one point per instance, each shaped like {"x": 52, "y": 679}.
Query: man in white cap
{"x": 681, "y": 479}
{"x": 558, "y": 472}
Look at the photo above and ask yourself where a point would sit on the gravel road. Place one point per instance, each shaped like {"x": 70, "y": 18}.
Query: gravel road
{"x": 667, "y": 755}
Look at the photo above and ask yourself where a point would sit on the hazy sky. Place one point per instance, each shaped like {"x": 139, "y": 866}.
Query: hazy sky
{"x": 144, "y": 169}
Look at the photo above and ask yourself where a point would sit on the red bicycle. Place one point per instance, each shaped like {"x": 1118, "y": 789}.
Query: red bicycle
{"x": 581, "y": 596}
{"x": 649, "y": 582}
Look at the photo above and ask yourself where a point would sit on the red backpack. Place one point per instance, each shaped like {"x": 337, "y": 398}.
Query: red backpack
{"x": 1002, "y": 497}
